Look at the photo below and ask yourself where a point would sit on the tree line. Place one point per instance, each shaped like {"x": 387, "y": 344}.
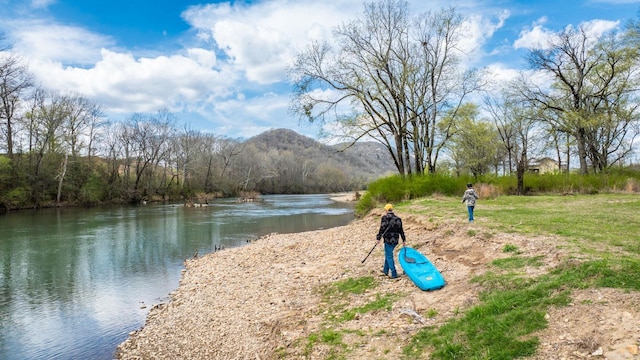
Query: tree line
{"x": 403, "y": 81}
{"x": 65, "y": 153}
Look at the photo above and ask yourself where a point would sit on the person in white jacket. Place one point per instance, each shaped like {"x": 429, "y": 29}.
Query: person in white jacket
{"x": 470, "y": 198}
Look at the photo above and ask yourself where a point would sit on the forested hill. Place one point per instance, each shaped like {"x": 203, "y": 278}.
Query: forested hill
{"x": 363, "y": 160}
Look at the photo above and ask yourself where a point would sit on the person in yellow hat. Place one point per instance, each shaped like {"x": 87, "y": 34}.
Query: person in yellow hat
{"x": 391, "y": 231}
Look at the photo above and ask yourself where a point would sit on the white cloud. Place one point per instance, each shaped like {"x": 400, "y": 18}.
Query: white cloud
{"x": 599, "y": 27}
{"x": 251, "y": 47}
{"x": 501, "y": 74}
{"x": 246, "y": 117}
{"x": 262, "y": 39}
{"x": 540, "y": 37}
{"x": 123, "y": 83}
{"x": 535, "y": 37}
{"x": 203, "y": 57}
{"x": 477, "y": 30}
{"x": 66, "y": 44}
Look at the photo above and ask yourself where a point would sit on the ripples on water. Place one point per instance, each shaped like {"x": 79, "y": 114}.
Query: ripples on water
{"x": 75, "y": 282}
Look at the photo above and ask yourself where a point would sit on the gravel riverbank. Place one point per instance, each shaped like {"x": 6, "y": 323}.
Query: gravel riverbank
{"x": 262, "y": 300}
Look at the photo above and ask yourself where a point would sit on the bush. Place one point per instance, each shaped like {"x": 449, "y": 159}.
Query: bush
{"x": 364, "y": 204}
{"x": 395, "y": 188}
{"x": 93, "y": 191}
{"x": 389, "y": 189}
{"x": 17, "y": 198}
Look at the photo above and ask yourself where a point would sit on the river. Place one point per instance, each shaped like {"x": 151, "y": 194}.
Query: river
{"x": 74, "y": 282}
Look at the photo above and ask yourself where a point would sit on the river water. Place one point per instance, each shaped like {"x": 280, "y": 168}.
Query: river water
{"x": 75, "y": 282}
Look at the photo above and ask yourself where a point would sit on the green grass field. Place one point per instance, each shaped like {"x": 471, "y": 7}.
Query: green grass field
{"x": 592, "y": 221}
{"x": 600, "y": 235}
{"x": 605, "y": 230}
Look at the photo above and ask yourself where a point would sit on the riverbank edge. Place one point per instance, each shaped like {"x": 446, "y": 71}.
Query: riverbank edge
{"x": 199, "y": 270}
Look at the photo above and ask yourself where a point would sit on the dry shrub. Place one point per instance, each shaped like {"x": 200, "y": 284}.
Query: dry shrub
{"x": 438, "y": 195}
{"x": 487, "y": 191}
{"x": 632, "y": 185}
{"x": 249, "y": 195}
{"x": 204, "y": 198}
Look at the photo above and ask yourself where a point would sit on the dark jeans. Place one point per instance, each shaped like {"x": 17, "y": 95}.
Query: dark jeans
{"x": 388, "y": 260}
{"x": 470, "y": 208}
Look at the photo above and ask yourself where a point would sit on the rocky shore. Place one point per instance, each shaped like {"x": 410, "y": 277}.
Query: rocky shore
{"x": 263, "y": 300}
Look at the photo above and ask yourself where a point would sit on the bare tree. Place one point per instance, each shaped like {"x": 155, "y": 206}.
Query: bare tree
{"x": 50, "y": 109}
{"x": 151, "y": 136}
{"x": 116, "y": 155}
{"x": 14, "y": 82}
{"x": 515, "y": 123}
{"x": 593, "y": 97}
{"x": 441, "y": 88}
{"x": 501, "y": 112}
{"x": 390, "y": 78}
{"x": 83, "y": 120}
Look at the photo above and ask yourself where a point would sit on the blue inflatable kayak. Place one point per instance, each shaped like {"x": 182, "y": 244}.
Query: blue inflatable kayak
{"x": 420, "y": 270}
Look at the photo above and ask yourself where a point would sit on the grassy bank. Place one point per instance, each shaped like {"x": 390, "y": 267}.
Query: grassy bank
{"x": 605, "y": 233}
{"x": 599, "y": 233}
{"x": 609, "y": 222}
{"x": 397, "y": 188}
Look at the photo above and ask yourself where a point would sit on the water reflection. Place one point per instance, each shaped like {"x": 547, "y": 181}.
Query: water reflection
{"x": 75, "y": 282}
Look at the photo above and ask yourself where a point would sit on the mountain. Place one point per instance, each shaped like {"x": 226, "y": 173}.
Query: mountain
{"x": 368, "y": 155}
{"x": 367, "y": 160}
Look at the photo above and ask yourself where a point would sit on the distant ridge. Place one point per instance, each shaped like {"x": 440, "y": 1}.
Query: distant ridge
{"x": 368, "y": 160}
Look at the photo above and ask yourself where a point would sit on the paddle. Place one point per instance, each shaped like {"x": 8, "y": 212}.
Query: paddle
{"x": 374, "y": 246}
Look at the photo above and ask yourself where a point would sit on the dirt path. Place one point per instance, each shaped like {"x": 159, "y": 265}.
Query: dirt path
{"x": 260, "y": 301}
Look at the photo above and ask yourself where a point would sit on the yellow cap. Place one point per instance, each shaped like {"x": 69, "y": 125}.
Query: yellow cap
{"x": 388, "y": 207}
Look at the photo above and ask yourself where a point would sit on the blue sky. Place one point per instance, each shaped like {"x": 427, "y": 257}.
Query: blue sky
{"x": 221, "y": 66}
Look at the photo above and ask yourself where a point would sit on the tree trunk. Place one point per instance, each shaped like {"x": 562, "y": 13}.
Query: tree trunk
{"x": 520, "y": 169}
{"x": 64, "y": 172}
{"x": 582, "y": 152}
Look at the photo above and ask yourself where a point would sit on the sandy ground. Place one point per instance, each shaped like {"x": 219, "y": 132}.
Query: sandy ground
{"x": 262, "y": 300}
